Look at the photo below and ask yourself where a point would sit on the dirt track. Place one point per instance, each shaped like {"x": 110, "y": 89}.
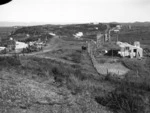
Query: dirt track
{"x": 52, "y": 45}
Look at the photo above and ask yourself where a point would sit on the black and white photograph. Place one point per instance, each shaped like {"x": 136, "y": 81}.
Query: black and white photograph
{"x": 75, "y": 56}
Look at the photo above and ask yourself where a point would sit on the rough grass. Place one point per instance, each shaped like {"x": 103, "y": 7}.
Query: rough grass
{"x": 139, "y": 69}
{"x": 125, "y": 100}
{"x": 51, "y": 86}
{"x": 81, "y": 87}
{"x": 75, "y": 56}
{"x": 44, "y": 81}
{"x": 9, "y": 61}
{"x": 137, "y": 33}
{"x": 132, "y": 93}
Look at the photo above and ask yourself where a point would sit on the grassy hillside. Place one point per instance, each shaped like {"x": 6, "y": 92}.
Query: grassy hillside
{"x": 135, "y": 33}
{"x": 6, "y": 31}
{"x": 38, "y": 85}
{"x": 63, "y": 79}
{"x": 42, "y": 85}
{"x": 65, "y": 31}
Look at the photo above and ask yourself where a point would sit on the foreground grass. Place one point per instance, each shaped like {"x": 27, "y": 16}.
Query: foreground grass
{"x": 40, "y": 85}
{"x": 30, "y": 83}
{"x": 131, "y": 94}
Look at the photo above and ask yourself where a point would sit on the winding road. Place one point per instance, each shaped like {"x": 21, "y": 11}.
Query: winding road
{"x": 52, "y": 45}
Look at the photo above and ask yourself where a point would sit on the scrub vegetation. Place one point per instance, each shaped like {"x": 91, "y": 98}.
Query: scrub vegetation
{"x": 62, "y": 79}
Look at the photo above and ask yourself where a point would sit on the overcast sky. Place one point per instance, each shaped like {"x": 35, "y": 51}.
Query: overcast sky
{"x": 75, "y": 11}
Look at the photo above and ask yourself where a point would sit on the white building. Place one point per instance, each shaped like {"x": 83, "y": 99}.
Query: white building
{"x": 118, "y": 27}
{"x": 52, "y": 34}
{"x": 20, "y": 46}
{"x": 2, "y": 48}
{"x": 96, "y": 28}
{"x": 130, "y": 50}
{"x": 78, "y": 35}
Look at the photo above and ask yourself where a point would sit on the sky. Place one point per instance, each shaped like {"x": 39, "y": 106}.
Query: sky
{"x": 75, "y": 11}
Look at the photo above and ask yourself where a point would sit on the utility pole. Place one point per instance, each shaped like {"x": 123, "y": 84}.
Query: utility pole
{"x": 117, "y": 36}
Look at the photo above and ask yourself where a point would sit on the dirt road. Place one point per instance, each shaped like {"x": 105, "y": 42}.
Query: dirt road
{"x": 52, "y": 45}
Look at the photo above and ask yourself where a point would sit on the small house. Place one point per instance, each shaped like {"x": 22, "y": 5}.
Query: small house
{"x": 2, "y": 49}
{"x": 118, "y": 27}
{"x": 78, "y": 35}
{"x": 132, "y": 51}
{"x": 52, "y": 34}
{"x": 20, "y": 46}
{"x": 39, "y": 45}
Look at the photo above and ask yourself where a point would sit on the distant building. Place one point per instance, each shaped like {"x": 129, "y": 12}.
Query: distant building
{"x": 130, "y": 50}
{"x": 96, "y": 28}
{"x": 19, "y": 46}
{"x": 118, "y": 27}
{"x": 27, "y": 35}
{"x": 52, "y": 34}
{"x": 13, "y": 45}
{"x": 78, "y": 35}
{"x": 2, "y": 48}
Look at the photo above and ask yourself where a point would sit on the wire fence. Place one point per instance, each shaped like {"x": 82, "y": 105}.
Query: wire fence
{"x": 90, "y": 52}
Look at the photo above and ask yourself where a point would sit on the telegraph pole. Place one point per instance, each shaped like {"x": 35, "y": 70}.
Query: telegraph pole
{"x": 117, "y": 36}
{"x": 117, "y": 31}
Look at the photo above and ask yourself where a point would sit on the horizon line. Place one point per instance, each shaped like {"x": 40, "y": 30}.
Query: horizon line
{"x": 57, "y": 23}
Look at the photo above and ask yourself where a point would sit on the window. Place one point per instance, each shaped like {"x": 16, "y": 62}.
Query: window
{"x": 127, "y": 48}
{"x": 135, "y": 50}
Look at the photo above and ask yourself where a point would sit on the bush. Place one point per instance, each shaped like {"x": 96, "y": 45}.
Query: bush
{"x": 102, "y": 61}
{"x": 60, "y": 74}
{"x": 76, "y": 56}
{"x": 9, "y": 61}
{"x": 124, "y": 100}
{"x": 78, "y": 74}
{"x": 132, "y": 64}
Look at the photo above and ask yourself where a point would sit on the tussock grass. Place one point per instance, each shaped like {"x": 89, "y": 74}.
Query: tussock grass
{"x": 132, "y": 92}
{"x": 124, "y": 100}
{"x": 9, "y": 61}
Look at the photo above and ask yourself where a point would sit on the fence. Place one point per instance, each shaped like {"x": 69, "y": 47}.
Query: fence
{"x": 90, "y": 52}
{"x": 113, "y": 69}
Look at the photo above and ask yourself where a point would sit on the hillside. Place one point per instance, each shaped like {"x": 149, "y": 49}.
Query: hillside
{"x": 62, "y": 77}
{"x": 66, "y": 31}
{"x": 145, "y": 24}
{"x": 6, "y": 31}
{"x": 39, "y": 84}
{"x": 133, "y": 32}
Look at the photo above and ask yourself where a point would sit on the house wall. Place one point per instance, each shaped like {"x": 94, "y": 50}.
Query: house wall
{"x": 140, "y": 53}
{"x": 130, "y": 52}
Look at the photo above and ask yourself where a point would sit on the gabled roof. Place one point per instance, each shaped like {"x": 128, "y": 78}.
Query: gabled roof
{"x": 124, "y": 44}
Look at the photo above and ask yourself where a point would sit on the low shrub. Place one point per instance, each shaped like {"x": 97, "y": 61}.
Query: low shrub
{"x": 123, "y": 100}
{"x": 76, "y": 56}
{"x": 78, "y": 74}
{"x": 132, "y": 64}
{"x": 9, "y": 61}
